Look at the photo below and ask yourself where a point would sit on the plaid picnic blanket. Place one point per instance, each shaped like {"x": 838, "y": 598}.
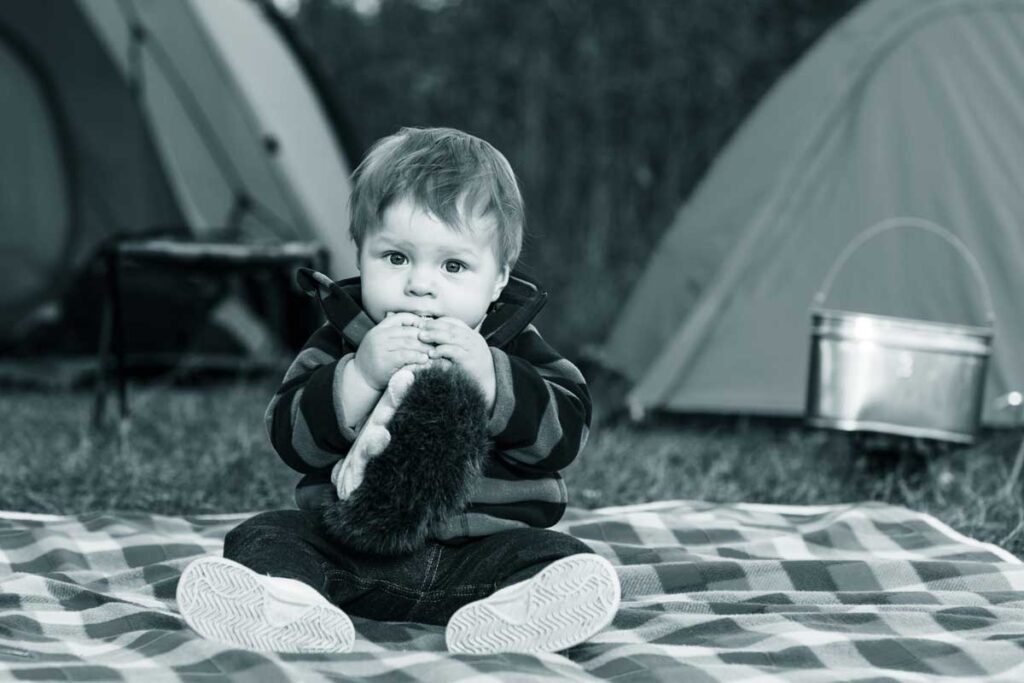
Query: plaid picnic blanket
{"x": 710, "y": 593}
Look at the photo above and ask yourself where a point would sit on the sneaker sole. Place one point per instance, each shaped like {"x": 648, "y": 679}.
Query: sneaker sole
{"x": 225, "y": 601}
{"x": 568, "y": 602}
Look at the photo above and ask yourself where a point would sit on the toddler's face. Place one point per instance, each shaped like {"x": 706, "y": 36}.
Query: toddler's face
{"x": 417, "y": 264}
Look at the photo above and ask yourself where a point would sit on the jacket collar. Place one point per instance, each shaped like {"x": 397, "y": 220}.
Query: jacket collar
{"x": 341, "y": 303}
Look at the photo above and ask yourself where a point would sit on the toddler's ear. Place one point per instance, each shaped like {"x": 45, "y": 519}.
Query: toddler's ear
{"x": 501, "y": 282}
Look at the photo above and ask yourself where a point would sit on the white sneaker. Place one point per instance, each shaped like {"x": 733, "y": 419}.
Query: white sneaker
{"x": 226, "y": 601}
{"x": 565, "y": 604}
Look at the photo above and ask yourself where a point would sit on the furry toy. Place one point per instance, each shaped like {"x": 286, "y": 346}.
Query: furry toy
{"x": 413, "y": 464}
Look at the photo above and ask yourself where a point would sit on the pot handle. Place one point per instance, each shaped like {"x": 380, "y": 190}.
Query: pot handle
{"x": 907, "y": 222}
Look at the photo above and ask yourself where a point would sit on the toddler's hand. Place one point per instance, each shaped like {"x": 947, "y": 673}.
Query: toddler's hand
{"x": 391, "y": 344}
{"x": 456, "y": 342}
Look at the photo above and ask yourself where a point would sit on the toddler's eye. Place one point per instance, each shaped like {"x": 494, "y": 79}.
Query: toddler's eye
{"x": 395, "y": 259}
{"x": 454, "y": 266}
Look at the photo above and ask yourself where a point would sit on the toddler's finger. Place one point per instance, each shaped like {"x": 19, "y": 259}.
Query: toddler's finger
{"x": 409, "y": 344}
{"x": 402, "y": 319}
{"x": 407, "y": 334}
{"x": 451, "y": 321}
{"x": 442, "y": 333}
{"x": 452, "y": 352}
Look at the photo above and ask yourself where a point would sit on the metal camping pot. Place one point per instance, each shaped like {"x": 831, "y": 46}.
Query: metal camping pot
{"x": 897, "y": 375}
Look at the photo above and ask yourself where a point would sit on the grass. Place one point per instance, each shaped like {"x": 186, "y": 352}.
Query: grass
{"x": 202, "y": 450}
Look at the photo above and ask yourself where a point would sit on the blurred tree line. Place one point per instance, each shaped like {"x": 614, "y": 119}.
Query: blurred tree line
{"x": 609, "y": 110}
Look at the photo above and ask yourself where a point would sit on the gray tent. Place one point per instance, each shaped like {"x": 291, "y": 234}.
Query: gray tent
{"x": 905, "y": 108}
{"x": 120, "y": 117}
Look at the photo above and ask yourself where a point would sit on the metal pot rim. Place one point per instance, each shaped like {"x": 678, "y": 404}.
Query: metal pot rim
{"x": 831, "y": 315}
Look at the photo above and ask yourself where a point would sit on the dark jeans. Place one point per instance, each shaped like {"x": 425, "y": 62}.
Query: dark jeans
{"x": 427, "y": 586}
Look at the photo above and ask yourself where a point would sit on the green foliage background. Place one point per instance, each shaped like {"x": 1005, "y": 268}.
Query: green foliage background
{"x": 609, "y": 110}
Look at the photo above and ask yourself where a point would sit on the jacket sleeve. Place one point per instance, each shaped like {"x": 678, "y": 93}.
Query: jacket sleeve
{"x": 305, "y": 420}
{"x": 541, "y": 415}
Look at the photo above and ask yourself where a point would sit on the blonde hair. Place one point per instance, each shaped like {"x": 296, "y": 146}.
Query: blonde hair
{"x": 444, "y": 171}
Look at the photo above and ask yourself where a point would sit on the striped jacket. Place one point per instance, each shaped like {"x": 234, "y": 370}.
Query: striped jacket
{"x": 539, "y": 423}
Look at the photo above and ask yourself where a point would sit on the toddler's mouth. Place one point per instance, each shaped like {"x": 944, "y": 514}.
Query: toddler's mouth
{"x": 422, "y": 314}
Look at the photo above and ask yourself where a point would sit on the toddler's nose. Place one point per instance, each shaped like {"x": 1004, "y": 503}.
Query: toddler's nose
{"x": 419, "y": 283}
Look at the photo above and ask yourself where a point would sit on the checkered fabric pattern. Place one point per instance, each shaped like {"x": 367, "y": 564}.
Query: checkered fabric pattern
{"x": 710, "y": 593}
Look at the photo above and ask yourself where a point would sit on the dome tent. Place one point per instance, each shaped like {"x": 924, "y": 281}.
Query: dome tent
{"x": 121, "y": 117}
{"x": 905, "y": 108}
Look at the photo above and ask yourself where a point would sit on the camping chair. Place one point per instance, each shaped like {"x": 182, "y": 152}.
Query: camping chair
{"x": 222, "y": 258}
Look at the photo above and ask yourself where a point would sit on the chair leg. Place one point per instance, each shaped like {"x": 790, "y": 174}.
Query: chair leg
{"x": 104, "y": 351}
{"x": 118, "y": 334}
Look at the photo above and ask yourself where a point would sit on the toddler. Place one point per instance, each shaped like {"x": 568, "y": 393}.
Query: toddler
{"x": 437, "y": 218}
